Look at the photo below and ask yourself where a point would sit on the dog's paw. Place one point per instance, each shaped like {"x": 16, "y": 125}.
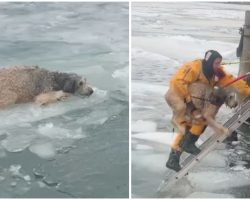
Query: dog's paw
{"x": 225, "y": 131}
{"x": 41, "y": 102}
{"x": 61, "y": 96}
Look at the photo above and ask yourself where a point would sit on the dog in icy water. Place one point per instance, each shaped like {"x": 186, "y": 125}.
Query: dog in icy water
{"x": 27, "y": 84}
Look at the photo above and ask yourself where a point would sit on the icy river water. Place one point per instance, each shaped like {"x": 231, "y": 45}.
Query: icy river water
{"x": 79, "y": 147}
{"x": 164, "y": 35}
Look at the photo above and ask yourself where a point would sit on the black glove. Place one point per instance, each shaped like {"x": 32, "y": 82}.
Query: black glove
{"x": 218, "y": 96}
{"x": 248, "y": 80}
{"x": 219, "y": 92}
{"x": 190, "y": 108}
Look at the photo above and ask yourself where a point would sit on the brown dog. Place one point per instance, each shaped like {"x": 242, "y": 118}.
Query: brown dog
{"x": 26, "y": 84}
{"x": 206, "y": 111}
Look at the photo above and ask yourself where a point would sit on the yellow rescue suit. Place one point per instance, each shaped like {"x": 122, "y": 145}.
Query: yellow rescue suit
{"x": 192, "y": 72}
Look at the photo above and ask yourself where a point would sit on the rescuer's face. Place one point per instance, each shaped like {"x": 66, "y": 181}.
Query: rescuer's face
{"x": 217, "y": 63}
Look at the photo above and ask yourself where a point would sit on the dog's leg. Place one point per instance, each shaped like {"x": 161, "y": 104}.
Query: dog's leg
{"x": 179, "y": 124}
{"x": 50, "y": 97}
{"x": 179, "y": 109}
{"x": 217, "y": 127}
{"x": 7, "y": 98}
{"x": 61, "y": 96}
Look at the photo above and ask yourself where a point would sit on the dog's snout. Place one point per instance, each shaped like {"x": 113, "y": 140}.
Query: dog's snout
{"x": 236, "y": 104}
{"x": 233, "y": 104}
{"x": 90, "y": 91}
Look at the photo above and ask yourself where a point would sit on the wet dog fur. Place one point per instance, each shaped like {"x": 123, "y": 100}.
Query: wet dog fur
{"x": 207, "y": 110}
{"x": 27, "y": 84}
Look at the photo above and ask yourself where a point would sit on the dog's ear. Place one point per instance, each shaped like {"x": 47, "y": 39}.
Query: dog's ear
{"x": 70, "y": 86}
{"x": 83, "y": 82}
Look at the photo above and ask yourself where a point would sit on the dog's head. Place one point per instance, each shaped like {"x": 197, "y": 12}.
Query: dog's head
{"x": 231, "y": 100}
{"x": 227, "y": 96}
{"x": 77, "y": 86}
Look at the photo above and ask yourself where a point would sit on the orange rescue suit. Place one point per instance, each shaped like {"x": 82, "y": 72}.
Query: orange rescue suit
{"x": 191, "y": 72}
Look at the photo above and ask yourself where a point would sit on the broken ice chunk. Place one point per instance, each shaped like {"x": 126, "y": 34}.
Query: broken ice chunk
{"x": 44, "y": 150}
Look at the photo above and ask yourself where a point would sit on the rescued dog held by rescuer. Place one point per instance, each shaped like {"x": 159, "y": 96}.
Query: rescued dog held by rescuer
{"x": 27, "y": 84}
{"x": 207, "y": 101}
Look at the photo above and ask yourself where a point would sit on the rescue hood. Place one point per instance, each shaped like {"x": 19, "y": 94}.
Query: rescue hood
{"x": 207, "y": 63}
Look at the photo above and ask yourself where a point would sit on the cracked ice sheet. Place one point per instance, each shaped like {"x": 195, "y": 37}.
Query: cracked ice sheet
{"x": 143, "y": 126}
{"x": 209, "y": 195}
{"x": 47, "y": 127}
{"x": 24, "y": 114}
{"x": 19, "y": 138}
{"x": 159, "y": 137}
{"x": 199, "y": 46}
{"x": 216, "y": 180}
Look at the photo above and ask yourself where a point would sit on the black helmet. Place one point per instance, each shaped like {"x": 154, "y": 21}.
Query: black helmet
{"x": 207, "y": 63}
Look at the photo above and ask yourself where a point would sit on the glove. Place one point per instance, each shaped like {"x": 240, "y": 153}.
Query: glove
{"x": 219, "y": 92}
{"x": 218, "y": 96}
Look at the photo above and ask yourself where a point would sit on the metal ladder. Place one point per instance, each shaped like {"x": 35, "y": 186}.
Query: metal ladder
{"x": 241, "y": 116}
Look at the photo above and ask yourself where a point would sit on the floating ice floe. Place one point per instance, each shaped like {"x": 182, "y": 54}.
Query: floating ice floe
{"x": 199, "y": 46}
{"x": 213, "y": 159}
{"x": 14, "y": 170}
{"x": 238, "y": 168}
{"x": 144, "y": 126}
{"x": 44, "y": 150}
{"x": 54, "y": 132}
{"x": 208, "y": 195}
{"x": 121, "y": 73}
{"x": 222, "y": 179}
{"x": 17, "y": 142}
{"x": 151, "y": 163}
{"x": 24, "y": 114}
{"x": 159, "y": 137}
{"x": 144, "y": 88}
{"x": 95, "y": 117}
{"x": 139, "y": 53}
{"x": 142, "y": 147}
